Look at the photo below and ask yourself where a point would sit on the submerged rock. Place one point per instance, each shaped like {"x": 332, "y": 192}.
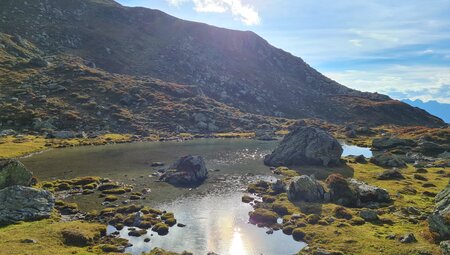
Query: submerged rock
{"x": 188, "y": 170}
{"x": 306, "y": 146}
{"x": 19, "y": 203}
{"x": 13, "y": 172}
{"x": 305, "y": 188}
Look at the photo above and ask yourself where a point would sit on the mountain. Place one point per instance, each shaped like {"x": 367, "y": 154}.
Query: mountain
{"x": 438, "y": 109}
{"x": 236, "y": 70}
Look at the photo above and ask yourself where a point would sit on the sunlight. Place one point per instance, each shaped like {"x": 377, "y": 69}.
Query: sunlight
{"x": 237, "y": 245}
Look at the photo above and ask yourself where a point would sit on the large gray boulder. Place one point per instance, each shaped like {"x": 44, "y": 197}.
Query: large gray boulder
{"x": 188, "y": 170}
{"x": 13, "y": 172}
{"x": 305, "y": 188}
{"x": 306, "y": 146}
{"x": 354, "y": 193}
{"x": 368, "y": 195}
{"x": 19, "y": 203}
{"x": 439, "y": 221}
{"x": 387, "y": 160}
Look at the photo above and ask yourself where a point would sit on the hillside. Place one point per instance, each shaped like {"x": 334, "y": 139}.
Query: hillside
{"x": 236, "y": 70}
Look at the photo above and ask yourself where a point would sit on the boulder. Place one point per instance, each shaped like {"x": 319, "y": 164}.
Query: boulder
{"x": 354, "y": 193}
{"x": 369, "y": 215}
{"x": 391, "y": 174}
{"x": 431, "y": 148}
{"x": 360, "y": 159}
{"x": 19, "y": 203}
{"x": 306, "y": 146}
{"x": 445, "y": 247}
{"x": 13, "y": 172}
{"x": 369, "y": 195}
{"x": 305, "y": 188}
{"x": 439, "y": 221}
{"x": 387, "y": 160}
{"x": 388, "y": 143}
{"x": 188, "y": 170}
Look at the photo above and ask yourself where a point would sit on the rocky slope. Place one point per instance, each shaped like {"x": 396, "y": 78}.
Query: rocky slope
{"x": 224, "y": 67}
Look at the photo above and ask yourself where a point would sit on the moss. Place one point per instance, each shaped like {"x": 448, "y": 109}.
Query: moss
{"x": 10, "y": 149}
{"x": 342, "y": 213}
{"x": 260, "y": 215}
{"x": 117, "y": 191}
{"x": 47, "y": 233}
{"x": 110, "y": 248}
{"x": 135, "y": 197}
{"x": 285, "y": 172}
{"x": 161, "y": 228}
{"x": 288, "y": 229}
{"x": 171, "y": 221}
{"x": 247, "y": 199}
{"x": 111, "y": 198}
{"x": 158, "y": 251}
{"x": 354, "y": 236}
{"x": 298, "y": 234}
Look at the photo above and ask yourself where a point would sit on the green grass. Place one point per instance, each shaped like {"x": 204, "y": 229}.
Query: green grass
{"x": 47, "y": 233}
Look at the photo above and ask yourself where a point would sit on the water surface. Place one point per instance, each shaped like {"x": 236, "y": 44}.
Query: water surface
{"x": 216, "y": 219}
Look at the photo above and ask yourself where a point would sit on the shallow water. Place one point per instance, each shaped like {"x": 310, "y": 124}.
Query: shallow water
{"x": 216, "y": 219}
{"x": 355, "y": 150}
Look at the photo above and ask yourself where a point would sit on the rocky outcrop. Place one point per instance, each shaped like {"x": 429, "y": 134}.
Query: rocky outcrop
{"x": 354, "y": 193}
{"x": 387, "y": 160}
{"x": 305, "y": 188}
{"x": 391, "y": 174}
{"x": 439, "y": 221}
{"x": 306, "y": 146}
{"x": 388, "y": 143}
{"x": 188, "y": 170}
{"x": 19, "y": 203}
{"x": 13, "y": 172}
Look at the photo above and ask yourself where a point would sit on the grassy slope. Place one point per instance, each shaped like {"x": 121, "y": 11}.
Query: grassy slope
{"x": 370, "y": 239}
{"x": 47, "y": 233}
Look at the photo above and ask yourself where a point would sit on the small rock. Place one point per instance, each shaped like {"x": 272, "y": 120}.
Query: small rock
{"x": 408, "y": 238}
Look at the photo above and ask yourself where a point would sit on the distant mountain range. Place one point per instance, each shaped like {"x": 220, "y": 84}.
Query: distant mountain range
{"x": 440, "y": 110}
{"x": 98, "y": 65}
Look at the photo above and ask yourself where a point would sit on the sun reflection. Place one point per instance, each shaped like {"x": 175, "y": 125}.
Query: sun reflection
{"x": 237, "y": 244}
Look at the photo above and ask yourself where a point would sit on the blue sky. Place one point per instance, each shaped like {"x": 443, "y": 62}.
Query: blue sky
{"x": 400, "y": 48}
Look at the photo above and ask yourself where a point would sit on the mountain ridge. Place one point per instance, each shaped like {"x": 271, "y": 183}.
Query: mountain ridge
{"x": 237, "y": 68}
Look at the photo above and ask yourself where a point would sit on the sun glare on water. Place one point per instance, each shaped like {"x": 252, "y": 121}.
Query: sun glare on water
{"x": 237, "y": 246}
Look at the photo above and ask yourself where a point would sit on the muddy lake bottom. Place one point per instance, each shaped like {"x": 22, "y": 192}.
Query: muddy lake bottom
{"x": 216, "y": 219}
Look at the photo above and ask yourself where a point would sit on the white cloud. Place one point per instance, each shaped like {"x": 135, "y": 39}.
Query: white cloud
{"x": 355, "y": 42}
{"x": 245, "y": 13}
{"x": 414, "y": 82}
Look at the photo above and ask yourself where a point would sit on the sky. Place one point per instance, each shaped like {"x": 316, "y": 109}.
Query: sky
{"x": 400, "y": 48}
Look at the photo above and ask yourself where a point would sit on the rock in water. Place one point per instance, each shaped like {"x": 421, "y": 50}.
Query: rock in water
{"x": 439, "y": 220}
{"x": 305, "y": 188}
{"x": 306, "y": 146}
{"x": 13, "y": 172}
{"x": 19, "y": 203}
{"x": 188, "y": 170}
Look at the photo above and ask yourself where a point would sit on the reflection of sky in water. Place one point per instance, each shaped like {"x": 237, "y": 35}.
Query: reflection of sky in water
{"x": 219, "y": 224}
{"x": 239, "y": 156}
{"x": 355, "y": 150}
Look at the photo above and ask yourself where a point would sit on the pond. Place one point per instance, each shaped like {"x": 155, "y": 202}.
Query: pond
{"x": 216, "y": 219}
